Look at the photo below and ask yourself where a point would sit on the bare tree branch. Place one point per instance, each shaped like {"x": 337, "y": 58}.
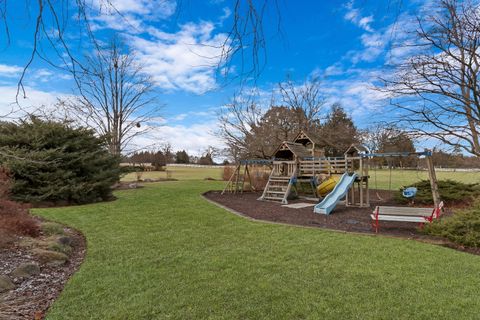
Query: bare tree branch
{"x": 438, "y": 89}
{"x": 115, "y": 96}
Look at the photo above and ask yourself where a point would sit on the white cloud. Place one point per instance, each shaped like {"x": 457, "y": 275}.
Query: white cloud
{"x": 392, "y": 43}
{"x": 119, "y": 23}
{"x": 34, "y": 99}
{"x": 130, "y": 15}
{"x": 354, "y": 89}
{"x": 355, "y": 16}
{"x": 333, "y": 70}
{"x": 10, "y": 70}
{"x": 193, "y": 114}
{"x": 373, "y": 47}
{"x": 365, "y": 22}
{"x": 195, "y": 139}
{"x": 226, "y": 14}
{"x": 149, "y": 9}
{"x": 185, "y": 60}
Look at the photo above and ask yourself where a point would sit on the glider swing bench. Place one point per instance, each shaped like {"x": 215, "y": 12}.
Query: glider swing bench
{"x": 405, "y": 214}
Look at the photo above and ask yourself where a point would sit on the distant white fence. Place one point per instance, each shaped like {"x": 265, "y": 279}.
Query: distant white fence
{"x": 135, "y": 164}
{"x": 188, "y": 165}
{"x": 191, "y": 165}
{"x": 425, "y": 169}
{"x": 458, "y": 169}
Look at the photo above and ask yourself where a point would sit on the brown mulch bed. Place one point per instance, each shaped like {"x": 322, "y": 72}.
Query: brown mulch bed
{"x": 33, "y": 296}
{"x": 348, "y": 219}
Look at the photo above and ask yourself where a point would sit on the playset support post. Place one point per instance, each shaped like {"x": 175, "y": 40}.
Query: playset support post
{"x": 433, "y": 180}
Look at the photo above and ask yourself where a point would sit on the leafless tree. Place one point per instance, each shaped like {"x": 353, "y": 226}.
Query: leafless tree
{"x": 115, "y": 96}
{"x": 306, "y": 97}
{"x": 236, "y": 121}
{"x": 383, "y": 138}
{"x": 167, "y": 150}
{"x": 252, "y": 131}
{"x": 439, "y": 88}
{"x": 375, "y": 135}
{"x": 246, "y": 37}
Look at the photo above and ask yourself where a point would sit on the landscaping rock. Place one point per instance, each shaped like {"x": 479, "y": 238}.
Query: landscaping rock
{"x": 6, "y": 284}
{"x": 57, "y": 246}
{"x": 67, "y": 241}
{"x": 28, "y": 242}
{"x": 50, "y": 257}
{"x": 26, "y": 270}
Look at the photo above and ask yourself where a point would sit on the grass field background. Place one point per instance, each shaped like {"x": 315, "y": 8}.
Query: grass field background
{"x": 378, "y": 178}
{"x": 163, "y": 252}
{"x": 179, "y": 173}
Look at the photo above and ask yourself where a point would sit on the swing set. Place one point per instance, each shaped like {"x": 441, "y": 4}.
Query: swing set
{"x": 402, "y": 214}
{"x": 296, "y": 162}
{"x": 411, "y": 191}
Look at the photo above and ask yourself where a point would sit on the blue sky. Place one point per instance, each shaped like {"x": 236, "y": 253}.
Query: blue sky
{"x": 348, "y": 44}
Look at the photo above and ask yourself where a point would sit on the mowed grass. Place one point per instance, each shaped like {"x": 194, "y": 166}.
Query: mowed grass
{"x": 378, "y": 178}
{"x": 163, "y": 252}
{"x": 381, "y": 178}
{"x": 179, "y": 173}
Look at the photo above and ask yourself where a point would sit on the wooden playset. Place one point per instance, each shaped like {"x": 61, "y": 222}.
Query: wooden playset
{"x": 303, "y": 162}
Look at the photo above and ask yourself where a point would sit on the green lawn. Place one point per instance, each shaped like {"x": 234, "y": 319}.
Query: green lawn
{"x": 378, "y": 178}
{"x": 163, "y": 252}
{"x": 401, "y": 178}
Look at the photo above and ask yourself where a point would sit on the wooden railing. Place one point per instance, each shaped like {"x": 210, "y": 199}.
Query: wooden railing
{"x": 323, "y": 166}
{"x": 283, "y": 168}
{"x": 314, "y": 166}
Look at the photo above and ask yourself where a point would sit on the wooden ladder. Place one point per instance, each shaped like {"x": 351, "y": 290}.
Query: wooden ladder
{"x": 278, "y": 188}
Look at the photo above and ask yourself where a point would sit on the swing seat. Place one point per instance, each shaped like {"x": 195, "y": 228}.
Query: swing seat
{"x": 409, "y": 192}
{"x": 405, "y": 214}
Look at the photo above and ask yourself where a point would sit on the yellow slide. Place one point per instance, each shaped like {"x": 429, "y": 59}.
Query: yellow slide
{"x": 327, "y": 186}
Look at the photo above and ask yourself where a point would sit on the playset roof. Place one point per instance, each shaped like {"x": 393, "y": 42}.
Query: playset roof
{"x": 297, "y": 149}
{"x": 312, "y": 137}
{"x": 356, "y": 148}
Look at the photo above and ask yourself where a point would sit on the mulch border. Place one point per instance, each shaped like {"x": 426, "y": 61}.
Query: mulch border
{"x": 443, "y": 242}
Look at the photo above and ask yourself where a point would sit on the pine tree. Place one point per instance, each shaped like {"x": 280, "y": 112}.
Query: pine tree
{"x": 52, "y": 161}
{"x": 182, "y": 157}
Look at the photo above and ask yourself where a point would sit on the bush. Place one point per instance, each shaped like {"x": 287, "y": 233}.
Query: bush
{"x": 54, "y": 162}
{"x": 463, "y": 227}
{"x": 258, "y": 174}
{"x": 52, "y": 228}
{"x": 450, "y": 191}
{"x": 259, "y": 177}
{"x": 15, "y": 219}
{"x": 227, "y": 172}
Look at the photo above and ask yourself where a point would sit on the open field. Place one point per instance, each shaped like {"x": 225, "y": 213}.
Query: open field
{"x": 401, "y": 178}
{"x": 179, "y": 173}
{"x": 378, "y": 178}
{"x": 163, "y": 252}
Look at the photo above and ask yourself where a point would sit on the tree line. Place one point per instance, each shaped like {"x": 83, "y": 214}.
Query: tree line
{"x": 160, "y": 158}
{"x": 251, "y": 132}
